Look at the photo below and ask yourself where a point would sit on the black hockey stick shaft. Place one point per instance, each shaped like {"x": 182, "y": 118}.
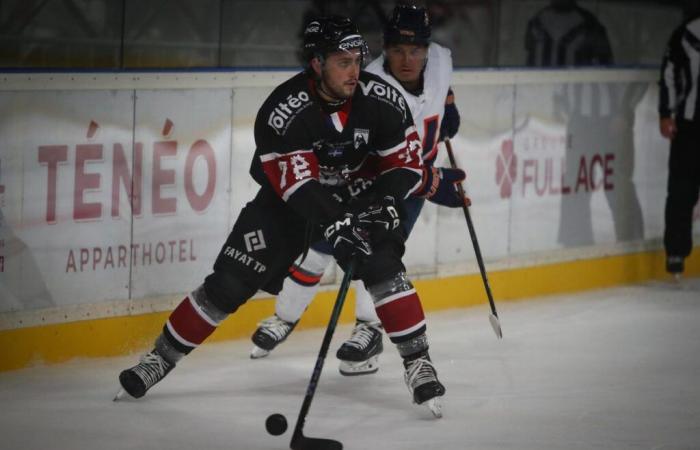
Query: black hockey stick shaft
{"x": 475, "y": 242}
{"x": 299, "y": 441}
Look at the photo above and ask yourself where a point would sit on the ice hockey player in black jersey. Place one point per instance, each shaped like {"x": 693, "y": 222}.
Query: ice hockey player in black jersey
{"x": 421, "y": 71}
{"x": 336, "y": 155}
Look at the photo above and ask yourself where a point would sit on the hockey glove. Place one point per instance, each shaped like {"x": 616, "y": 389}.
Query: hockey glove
{"x": 383, "y": 214}
{"x": 347, "y": 239}
{"x": 450, "y": 119}
{"x": 440, "y": 186}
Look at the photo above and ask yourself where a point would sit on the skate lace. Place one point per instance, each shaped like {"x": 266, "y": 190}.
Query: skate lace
{"x": 362, "y": 336}
{"x": 151, "y": 368}
{"x": 419, "y": 372}
{"x": 275, "y": 327}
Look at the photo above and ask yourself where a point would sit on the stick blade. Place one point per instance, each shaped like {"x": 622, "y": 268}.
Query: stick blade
{"x": 496, "y": 325}
{"x": 310, "y": 443}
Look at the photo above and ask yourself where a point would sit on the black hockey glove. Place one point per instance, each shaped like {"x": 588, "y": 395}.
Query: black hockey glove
{"x": 348, "y": 239}
{"x": 450, "y": 119}
{"x": 383, "y": 214}
{"x": 440, "y": 186}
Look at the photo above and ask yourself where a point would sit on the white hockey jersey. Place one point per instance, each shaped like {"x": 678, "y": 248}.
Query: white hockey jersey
{"x": 428, "y": 107}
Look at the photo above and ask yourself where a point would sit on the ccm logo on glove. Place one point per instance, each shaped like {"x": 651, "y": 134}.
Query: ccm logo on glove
{"x": 347, "y": 239}
{"x": 383, "y": 214}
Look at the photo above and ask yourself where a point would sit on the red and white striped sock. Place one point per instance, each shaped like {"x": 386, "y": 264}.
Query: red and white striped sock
{"x": 402, "y": 315}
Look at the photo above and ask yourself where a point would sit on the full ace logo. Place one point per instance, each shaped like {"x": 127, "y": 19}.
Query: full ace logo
{"x": 506, "y": 169}
{"x": 539, "y": 164}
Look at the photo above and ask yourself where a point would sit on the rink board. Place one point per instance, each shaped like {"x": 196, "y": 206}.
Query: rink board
{"x": 117, "y": 191}
{"x": 23, "y": 347}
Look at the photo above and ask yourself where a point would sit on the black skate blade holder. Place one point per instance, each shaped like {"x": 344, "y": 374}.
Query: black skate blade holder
{"x": 299, "y": 441}
{"x": 493, "y": 317}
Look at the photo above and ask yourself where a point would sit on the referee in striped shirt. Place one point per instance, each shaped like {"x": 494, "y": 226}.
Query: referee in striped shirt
{"x": 679, "y": 121}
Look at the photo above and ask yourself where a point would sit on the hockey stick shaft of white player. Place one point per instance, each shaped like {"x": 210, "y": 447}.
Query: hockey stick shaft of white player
{"x": 299, "y": 441}
{"x": 493, "y": 318}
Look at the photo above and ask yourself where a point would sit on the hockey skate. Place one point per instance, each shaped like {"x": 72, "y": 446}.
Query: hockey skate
{"x": 421, "y": 379}
{"x": 270, "y": 333}
{"x": 675, "y": 265}
{"x": 137, "y": 380}
{"x": 359, "y": 355}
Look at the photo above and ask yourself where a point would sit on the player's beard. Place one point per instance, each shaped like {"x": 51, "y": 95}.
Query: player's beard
{"x": 339, "y": 91}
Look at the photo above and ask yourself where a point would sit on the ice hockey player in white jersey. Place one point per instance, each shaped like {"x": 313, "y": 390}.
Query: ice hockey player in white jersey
{"x": 421, "y": 70}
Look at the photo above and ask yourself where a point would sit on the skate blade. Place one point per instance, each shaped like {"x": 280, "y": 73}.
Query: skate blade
{"x": 354, "y": 368}
{"x": 120, "y": 395}
{"x": 257, "y": 352}
{"x": 435, "y": 407}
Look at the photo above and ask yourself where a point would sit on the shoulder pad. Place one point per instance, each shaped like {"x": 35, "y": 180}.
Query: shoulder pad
{"x": 285, "y": 103}
{"x": 376, "y": 66}
{"x": 440, "y": 51}
{"x": 374, "y": 87}
{"x": 693, "y": 27}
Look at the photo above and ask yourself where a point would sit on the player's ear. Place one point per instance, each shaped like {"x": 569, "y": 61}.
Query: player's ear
{"x": 316, "y": 66}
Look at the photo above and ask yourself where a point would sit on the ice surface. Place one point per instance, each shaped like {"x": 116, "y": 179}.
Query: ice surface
{"x": 612, "y": 369}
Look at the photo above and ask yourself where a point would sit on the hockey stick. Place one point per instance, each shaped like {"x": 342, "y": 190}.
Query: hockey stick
{"x": 299, "y": 441}
{"x": 493, "y": 318}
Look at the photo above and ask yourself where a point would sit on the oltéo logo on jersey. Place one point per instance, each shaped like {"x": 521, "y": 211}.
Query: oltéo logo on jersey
{"x": 285, "y": 111}
{"x": 384, "y": 93}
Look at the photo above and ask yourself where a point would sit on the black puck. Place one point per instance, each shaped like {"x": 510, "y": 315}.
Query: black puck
{"x": 276, "y": 424}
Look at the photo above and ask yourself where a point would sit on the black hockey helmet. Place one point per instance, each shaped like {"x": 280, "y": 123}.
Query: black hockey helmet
{"x": 563, "y": 5}
{"x": 408, "y": 25}
{"x": 330, "y": 34}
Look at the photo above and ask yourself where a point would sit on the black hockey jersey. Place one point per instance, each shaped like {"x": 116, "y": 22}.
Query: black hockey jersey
{"x": 305, "y": 154}
{"x": 566, "y": 38}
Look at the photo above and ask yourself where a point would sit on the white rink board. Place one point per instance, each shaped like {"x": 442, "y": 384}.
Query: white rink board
{"x": 42, "y": 134}
{"x": 190, "y": 207}
{"x": 520, "y": 132}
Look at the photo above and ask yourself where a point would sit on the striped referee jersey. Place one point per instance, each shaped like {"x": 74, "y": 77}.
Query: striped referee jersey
{"x": 680, "y": 70}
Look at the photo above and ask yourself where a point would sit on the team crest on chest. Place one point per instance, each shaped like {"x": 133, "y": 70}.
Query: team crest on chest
{"x": 361, "y": 137}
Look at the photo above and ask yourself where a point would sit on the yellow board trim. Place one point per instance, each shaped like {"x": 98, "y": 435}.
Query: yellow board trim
{"x": 115, "y": 336}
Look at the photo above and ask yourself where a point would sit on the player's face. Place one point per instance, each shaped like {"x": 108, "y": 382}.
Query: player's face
{"x": 340, "y": 73}
{"x": 406, "y": 61}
